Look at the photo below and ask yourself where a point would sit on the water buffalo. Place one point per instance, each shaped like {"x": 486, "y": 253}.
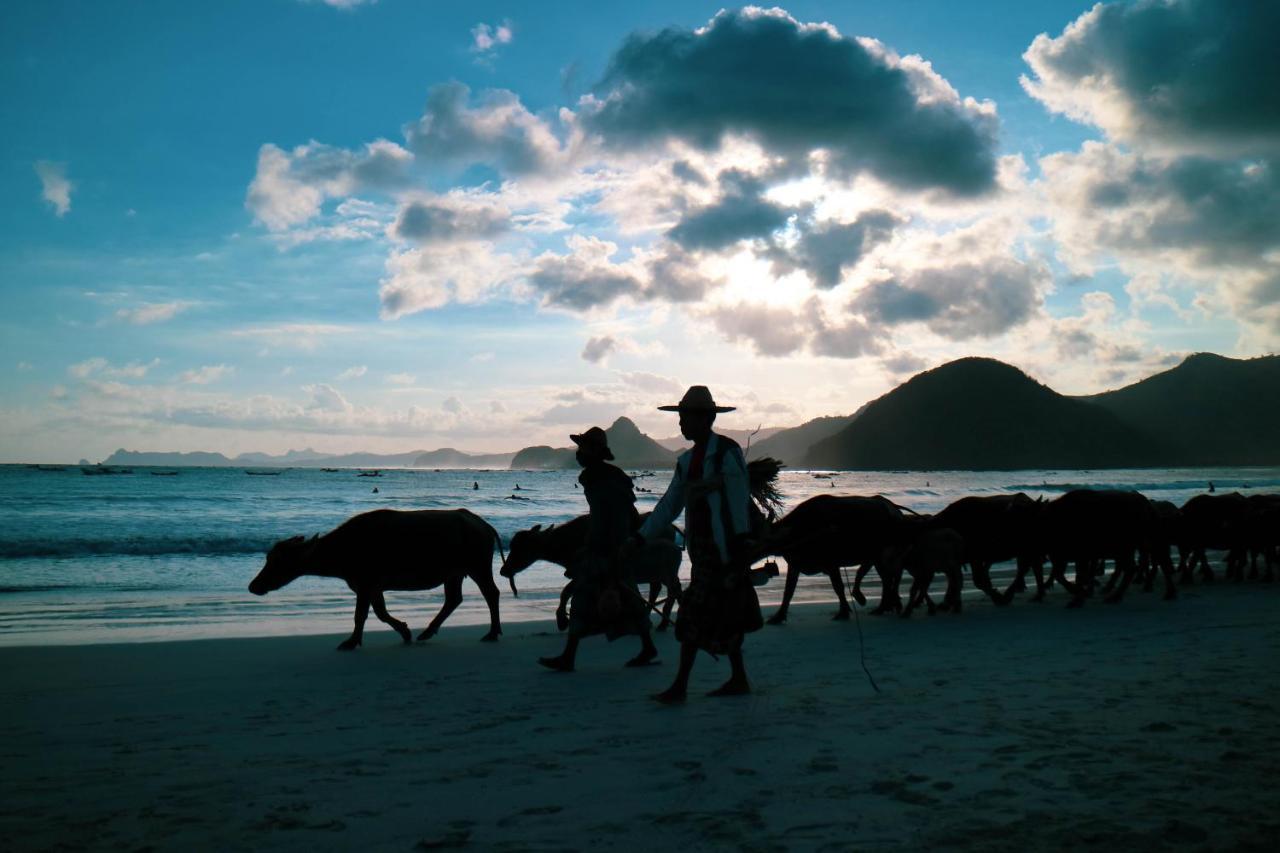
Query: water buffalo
{"x": 1260, "y": 533}
{"x": 995, "y": 529}
{"x": 1090, "y": 526}
{"x": 390, "y": 549}
{"x": 929, "y": 548}
{"x": 1212, "y": 522}
{"x": 657, "y": 563}
{"x": 826, "y": 533}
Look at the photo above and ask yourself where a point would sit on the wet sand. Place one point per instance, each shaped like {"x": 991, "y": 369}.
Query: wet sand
{"x": 1145, "y": 726}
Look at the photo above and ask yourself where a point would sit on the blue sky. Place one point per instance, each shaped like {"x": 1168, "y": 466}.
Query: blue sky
{"x": 270, "y": 224}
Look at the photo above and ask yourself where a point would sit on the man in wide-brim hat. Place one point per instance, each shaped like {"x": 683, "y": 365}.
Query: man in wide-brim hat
{"x": 710, "y": 486}
{"x": 604, "y": 599}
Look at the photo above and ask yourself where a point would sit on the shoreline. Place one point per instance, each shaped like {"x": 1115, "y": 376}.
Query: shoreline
{"x": 1150, "y": 725}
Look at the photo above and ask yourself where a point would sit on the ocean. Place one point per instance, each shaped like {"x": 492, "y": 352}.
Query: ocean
{"x": 140, "y": 557}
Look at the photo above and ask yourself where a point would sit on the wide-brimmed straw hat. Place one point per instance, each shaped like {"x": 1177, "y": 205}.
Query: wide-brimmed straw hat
{"x": 594, "y": 441}
{"x": 697, "y": 399}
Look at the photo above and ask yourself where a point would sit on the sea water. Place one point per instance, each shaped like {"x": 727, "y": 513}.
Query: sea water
{"x": 141, "y": 556}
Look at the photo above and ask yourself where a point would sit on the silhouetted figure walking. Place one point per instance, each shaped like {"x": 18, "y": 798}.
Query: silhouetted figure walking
{"x": 604, "y": 599}
{"x": 710, "y": 485}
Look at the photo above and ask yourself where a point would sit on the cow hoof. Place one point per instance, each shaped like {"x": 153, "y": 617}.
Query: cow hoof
{"x": 491, "y": 637}
{"x": 426, "y": 635}
{"x": 841, "y": 616}
{"x": 348, "y": 645}
{"x": 777, "y": 619}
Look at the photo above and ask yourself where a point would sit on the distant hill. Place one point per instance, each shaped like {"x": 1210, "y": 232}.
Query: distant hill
{"x": 679, "y": 443}
{"x": 982, "y": 414}
{"x": 143, "y": 457}
{"x": 1209, "y": 410}
{"x": 290, "y": 457}
{"x": 631, "y": 449}
{"x": 790, "y": 446}
{"x": 447, "y": 457}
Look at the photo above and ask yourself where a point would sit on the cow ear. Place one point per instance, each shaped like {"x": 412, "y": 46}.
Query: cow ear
{"x": 536, "y": 528}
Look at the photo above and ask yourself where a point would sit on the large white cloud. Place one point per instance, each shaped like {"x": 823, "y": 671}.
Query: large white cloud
{"x": 1187, "y": 186}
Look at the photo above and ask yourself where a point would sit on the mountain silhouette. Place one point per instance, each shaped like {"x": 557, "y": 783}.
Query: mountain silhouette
{"x": 982, "y": 414}
{"x": 631, "y": 449}
{"x": 1209, "y": 410}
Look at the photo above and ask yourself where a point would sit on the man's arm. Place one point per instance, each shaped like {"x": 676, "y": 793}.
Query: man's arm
{"x": 668, "y": 508}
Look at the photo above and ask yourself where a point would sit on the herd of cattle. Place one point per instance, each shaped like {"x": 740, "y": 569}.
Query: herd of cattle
{"x": 384, "y": 550}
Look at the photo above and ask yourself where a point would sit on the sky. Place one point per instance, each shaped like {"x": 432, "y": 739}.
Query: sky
{"x": 408, "y": 224}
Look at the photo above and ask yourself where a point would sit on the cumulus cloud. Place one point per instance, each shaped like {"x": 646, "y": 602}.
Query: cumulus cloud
{"x": 206, "y": 375}
{"x": 797, "y": 89}
{"x": 451, "y": 218}
{"x": 152, "y": 312}
{"x": 1187, "y": 187}
{"x": 497, "y": 130}
{"x": 959, "y": 301}
{"x": 486, "y": 38}
{"x": 825, "y": 249}
{"x": 599, "y": 348}
{"x": 290, "y": 187}
{"x": 583, "y": 279}
{"x": 1193, "y": 75}
{"x": 770, "y": 330}
{"x": 353, "y": 372}
{"x": 325, "y": 398}
{"x": 740, "y": 213}
{"x": 54, "y": 186}
{"x": 437, "y": 274}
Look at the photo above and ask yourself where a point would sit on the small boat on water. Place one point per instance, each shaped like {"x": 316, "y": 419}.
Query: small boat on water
{"x": 330, "y": 470}
{"x": 50, "y": 467}
{"x": 264, "y": 473}
{"x": 99, "y": 470}
{"x": 369, "y": 474}
{"x": 164, "y": 473}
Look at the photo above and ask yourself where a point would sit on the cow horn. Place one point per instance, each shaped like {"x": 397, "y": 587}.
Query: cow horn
{"x": 514, "y": 591}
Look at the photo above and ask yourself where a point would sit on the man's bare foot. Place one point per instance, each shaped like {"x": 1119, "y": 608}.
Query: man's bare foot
{"x": 670, "y": 696}
{"x": 732, "y": 687}
{"x": 559, "y": 664}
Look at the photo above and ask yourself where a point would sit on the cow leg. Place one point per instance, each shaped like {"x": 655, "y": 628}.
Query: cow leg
{"x": 837, "y": 583}
{"x": 955, "y": 586}
{"x": 673, "y": 595}
{"x": 452, "y": 598}
{"x": 380, "y": 610}
{"x": 362, "y": 613}
{"x": 483, "y": 578}
{"x": 562, "y": 612}
{"x": 780, "y": 615}
{"x": 981, "y": 571}
{"x": 856, "y": 592}
{"x": 890, "y": 581}
{"x": 1125, "y": 571}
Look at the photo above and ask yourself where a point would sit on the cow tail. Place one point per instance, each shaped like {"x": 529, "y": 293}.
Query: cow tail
{"x": 502, "y": 553}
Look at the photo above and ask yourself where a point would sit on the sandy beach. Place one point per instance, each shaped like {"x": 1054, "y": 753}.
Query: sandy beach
{"x": 1140, "y": 727}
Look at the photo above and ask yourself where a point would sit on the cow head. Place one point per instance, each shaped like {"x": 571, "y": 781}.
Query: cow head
{"x": 525, "y": 550}
{"x": 285, "y": 562}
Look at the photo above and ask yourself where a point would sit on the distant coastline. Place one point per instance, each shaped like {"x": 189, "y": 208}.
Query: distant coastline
{"x": 972, "y": 414}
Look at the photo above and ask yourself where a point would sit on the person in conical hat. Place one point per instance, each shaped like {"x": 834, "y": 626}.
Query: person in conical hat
{"x": 710, "y": 486}
{"x": 604, "y": 599}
